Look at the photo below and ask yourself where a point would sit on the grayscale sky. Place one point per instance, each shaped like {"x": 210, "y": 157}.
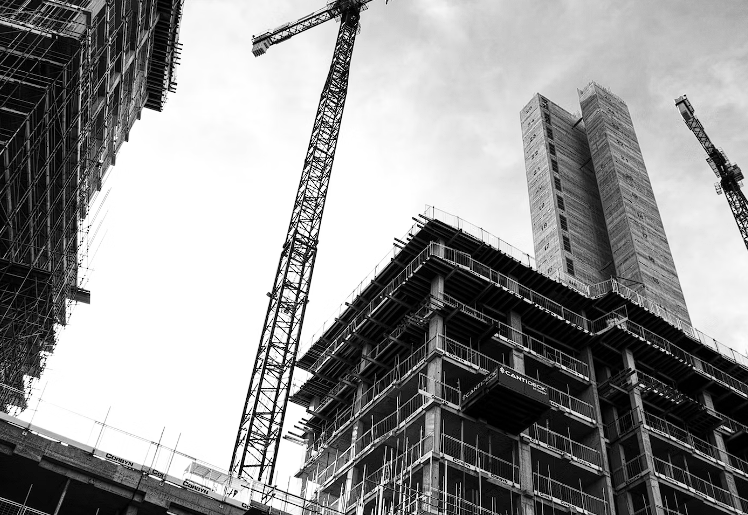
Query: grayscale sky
{"x": 202, "y": 193}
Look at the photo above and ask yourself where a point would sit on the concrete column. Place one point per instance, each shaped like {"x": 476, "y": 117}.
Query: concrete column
{"x": 517, "y": 358}
{"x": 527, "y": 498}
{"x": 309, "y": 442}
{"x": 623, "y": 503}
{"x": 433, "y": 416}
{"x": 517, "y": 362}
{"x": 353, "y": 476}
{"x": 436, "y": 323}
{"x": 597, "y": 438}
{"x": 726, "y": 478}
{"x": 642, "y": 435}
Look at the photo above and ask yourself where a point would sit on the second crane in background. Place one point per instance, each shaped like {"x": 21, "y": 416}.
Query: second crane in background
{"x": 729, "y": 174}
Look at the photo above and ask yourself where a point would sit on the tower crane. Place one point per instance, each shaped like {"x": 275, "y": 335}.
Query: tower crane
{"x": 729, "y": 174}
{"x": 259, "y": 434}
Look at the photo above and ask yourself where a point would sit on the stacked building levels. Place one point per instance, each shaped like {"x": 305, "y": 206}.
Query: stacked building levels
{"x": 459, "y": 379}
{"x": 74, "y": 77}
{"x": 594, "y": 213}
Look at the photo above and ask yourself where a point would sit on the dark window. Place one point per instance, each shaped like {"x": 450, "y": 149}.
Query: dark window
{"x": 560, "y": 202}
{"x": 567, "y": 244}
{"x": 570, "y": 266}
{"x": 549, "y": 132}
{"x": 564, "y": 225}
{"x": 547, "y": 117}
{"x": 554, "y": 165}
{"x": 552, "y": 149}
{"x": 557, "y": 182}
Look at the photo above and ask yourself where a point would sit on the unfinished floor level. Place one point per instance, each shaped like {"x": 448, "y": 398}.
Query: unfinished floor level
{"x": 461, "y": 380}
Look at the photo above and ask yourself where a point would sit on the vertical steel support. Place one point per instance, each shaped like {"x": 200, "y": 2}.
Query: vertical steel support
{"x": 259, "y": 434}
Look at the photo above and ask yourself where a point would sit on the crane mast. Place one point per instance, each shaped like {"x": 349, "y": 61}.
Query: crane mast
{"x": 729, "y": 174}
{"x": 258, "y": 438}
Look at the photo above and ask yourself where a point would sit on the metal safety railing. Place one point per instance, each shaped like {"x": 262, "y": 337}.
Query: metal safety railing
{"x": 545, "y": 486}
{"x": 480, "y": 459}
{"x": 467, "y": 354}
{"x": 573, "y": 404}
{"x": 393, "y": 469}
{"x": 535, "y": 346}
{"x": 698, "y": 485}
{"x": 698, "y": 445}
{"x": 466, "y": 261}
{"x": 400, "y": 372}
{"x": 480, "y": 234}
{"x": 660, "y": 510}
{"x": 630, "y": 470}
{"x": 439, "y": 390}
{"x": 364, "y": 313}
{"x": 515, "y": 337}
{"x": 621, "y": 425}
{"x": 566, "y": 445}
{"x": 367, "y": 439}
{"x": 8, "y": 507}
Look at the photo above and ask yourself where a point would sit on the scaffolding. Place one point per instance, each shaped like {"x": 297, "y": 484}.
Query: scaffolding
{"x": 74, "y": 78}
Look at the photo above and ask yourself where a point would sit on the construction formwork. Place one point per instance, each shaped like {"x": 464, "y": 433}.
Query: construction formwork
{"x": 74, "y": 77}
{"x": 568, "y": 226}
{"x": 459, "y": 379}
{"x": 641, "y": 252}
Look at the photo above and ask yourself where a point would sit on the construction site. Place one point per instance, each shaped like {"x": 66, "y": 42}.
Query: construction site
{"x": 461, "y": 380}
{"x": 74, "y": 78}
{"x": 463, "y": 376}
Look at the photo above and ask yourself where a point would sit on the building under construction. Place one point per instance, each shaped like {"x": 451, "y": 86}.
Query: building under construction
{"x": 594, "y": 213}
{"x": 74, "y": 77}
{"x": 460, "y": 379}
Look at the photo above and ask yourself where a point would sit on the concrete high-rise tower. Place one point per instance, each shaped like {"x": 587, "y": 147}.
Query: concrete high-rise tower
{"x": 592, "y": 207}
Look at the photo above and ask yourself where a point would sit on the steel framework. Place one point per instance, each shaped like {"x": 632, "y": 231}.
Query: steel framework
{"x": 729, "y": 174}
{"x": 258, "y": 438}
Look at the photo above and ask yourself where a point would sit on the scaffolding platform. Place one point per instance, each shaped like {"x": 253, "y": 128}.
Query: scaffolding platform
{"x": 506, "y": 391}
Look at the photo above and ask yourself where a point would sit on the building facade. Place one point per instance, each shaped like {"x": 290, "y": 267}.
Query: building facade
{"x": 460, "y": 379}
{"x": 74, "y": 78}
{"x": 593, "y": 210}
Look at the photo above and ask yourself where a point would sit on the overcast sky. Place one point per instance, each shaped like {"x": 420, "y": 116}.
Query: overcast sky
{"x": 203, "y": 192}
